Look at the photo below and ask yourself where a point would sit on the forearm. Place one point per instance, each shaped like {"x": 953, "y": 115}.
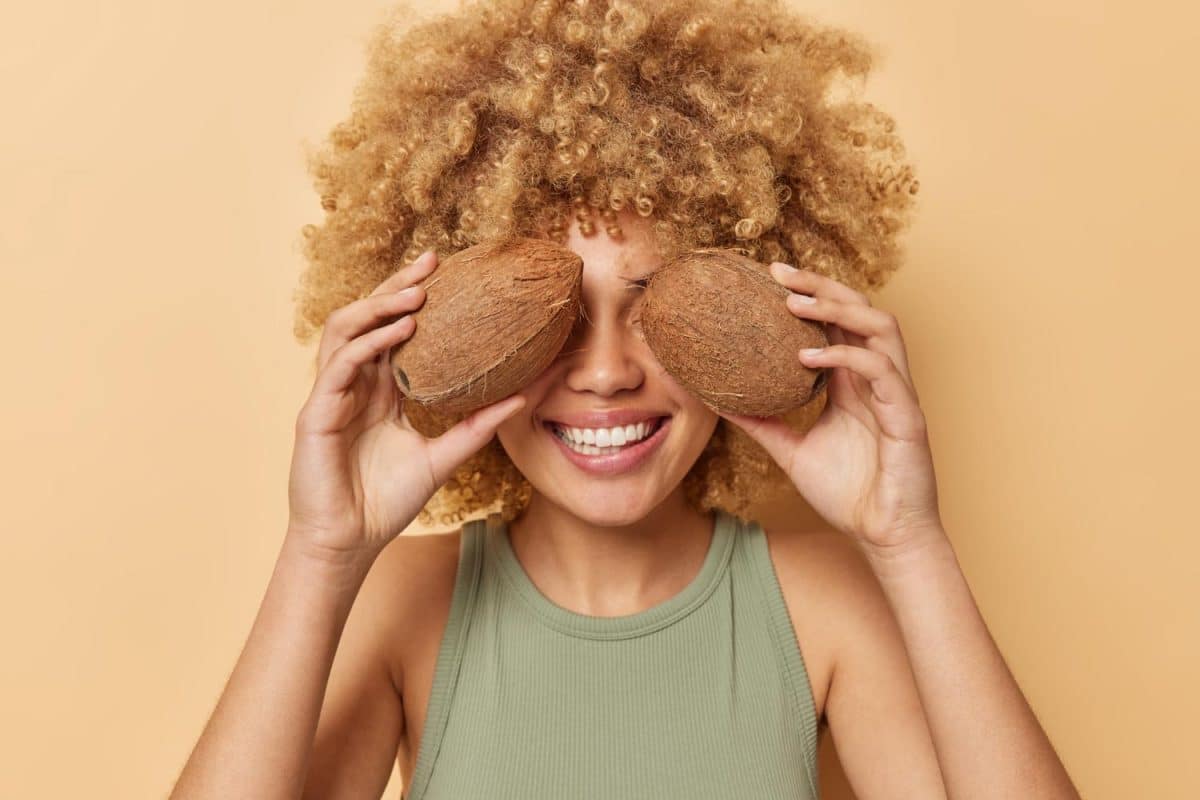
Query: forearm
{"x": 989, "y": 743}
{"x": 258, "y": 739}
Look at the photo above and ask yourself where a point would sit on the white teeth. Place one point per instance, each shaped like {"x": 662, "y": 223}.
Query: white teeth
{"x": 590, "y": 440}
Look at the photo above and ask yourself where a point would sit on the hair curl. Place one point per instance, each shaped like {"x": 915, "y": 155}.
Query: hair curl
{"x": 719, "y": 119}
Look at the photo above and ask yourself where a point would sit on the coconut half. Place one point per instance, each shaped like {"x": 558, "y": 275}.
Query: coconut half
{"x": 718, "y": 323}
{"x": 495, "y": 315}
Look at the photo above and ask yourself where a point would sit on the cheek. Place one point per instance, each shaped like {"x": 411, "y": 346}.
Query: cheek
{"x": 518, "y": 432}
{"x": 519, "y": 441}
{"x": 687, "y": 401}
{"x": 667, "y": 385}
{"x": 539, "y": 388}
{"x": 509, "y": 433}
{"x": 635, "y": 321}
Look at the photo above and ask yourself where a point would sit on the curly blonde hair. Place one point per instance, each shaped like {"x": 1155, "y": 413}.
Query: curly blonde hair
{"x": 720, "y": 119}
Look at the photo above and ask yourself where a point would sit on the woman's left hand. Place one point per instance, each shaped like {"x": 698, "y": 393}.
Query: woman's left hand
{"x": 865, "y": 466}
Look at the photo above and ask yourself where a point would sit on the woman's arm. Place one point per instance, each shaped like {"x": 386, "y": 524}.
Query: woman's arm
{"x": 259, "y": 738}
{"x": 989, "y": 743}
{"x": 866, "y": 467}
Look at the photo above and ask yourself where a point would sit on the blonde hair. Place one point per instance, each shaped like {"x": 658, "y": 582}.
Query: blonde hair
{"x": 720, "y": 120}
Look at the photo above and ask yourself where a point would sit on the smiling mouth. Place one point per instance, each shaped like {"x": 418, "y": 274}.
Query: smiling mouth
{"x": 596, "y": 450}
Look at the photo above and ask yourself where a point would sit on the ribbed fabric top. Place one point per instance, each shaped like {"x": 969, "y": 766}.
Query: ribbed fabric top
{"x": 704, "y": 695}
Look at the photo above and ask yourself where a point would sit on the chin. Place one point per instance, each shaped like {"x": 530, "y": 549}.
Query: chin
{"x": 608, "y": 512}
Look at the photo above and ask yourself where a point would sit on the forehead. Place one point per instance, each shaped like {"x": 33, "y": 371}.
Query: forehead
{"x": 632, "y": 255}
{"x": 636, "y": 265}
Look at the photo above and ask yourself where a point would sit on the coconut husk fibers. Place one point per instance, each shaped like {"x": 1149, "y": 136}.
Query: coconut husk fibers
{"x": 718, "y": 323}
{"x": 495, "y": 315}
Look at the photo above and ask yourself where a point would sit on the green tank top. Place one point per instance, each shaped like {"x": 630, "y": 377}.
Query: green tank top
{"x": 704, "y": 695}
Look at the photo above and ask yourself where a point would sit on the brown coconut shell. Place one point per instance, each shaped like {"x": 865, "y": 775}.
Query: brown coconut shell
{"x": 718, "y": 323}
{"x": 429, "y": 422}
{"x": 495, "y": 315}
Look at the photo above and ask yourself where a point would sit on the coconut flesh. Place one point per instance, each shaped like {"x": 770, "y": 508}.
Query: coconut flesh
{"x": 717, "y": 322}
{"x": 495, "y": 315}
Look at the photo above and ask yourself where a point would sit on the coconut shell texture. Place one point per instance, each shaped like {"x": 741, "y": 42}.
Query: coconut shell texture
{"x": 718, "y": 323}
{"x": 495, "y": 315}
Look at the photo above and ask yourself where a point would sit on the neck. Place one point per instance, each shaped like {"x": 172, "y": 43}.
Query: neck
{"x": 609, "y": 570}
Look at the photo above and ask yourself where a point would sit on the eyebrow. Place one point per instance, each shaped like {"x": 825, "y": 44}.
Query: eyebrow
{"x": 633, "y": 288}
{"x": 624, "y": 264}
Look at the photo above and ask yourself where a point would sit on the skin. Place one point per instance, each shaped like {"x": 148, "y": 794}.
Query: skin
{"x": 609, "y": 546}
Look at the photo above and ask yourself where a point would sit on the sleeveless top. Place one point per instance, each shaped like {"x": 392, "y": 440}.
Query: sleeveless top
{"x": 704, "y": 695}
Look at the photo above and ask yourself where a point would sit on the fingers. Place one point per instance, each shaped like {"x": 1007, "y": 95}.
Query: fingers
{"x": 894, "y": 404}
{"x": 387, "y": 300}
{"x": 417, "y": 271}
{"x": 808, "y": 282}
{"x": 344, "y": 363}
{"x": 357, "y": 318}
{"x": 775, "y": 435}
{"x": 465, "y": 439}
{"x": 857, "y": 321}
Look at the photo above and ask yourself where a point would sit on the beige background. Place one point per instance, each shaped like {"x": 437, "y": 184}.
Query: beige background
{"x": 153, "y": 192}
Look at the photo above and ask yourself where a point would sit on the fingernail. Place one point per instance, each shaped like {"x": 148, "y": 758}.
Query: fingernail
{"x": 782, "y": 268}
{"x": 812, "y": 351}
{"x": 804, "y": 298}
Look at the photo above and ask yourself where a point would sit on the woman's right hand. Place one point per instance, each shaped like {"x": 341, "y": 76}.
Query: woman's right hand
{"x": 360, "y": 473}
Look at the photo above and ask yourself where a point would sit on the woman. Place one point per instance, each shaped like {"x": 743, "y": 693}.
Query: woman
{"x": 616, "y": 629}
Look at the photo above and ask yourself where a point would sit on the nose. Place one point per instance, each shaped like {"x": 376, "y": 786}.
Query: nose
{"x": 602, "y": 357}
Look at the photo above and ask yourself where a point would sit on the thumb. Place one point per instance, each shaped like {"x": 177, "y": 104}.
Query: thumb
{"x": 465, "y": 439}
{"x": 773, "y": 433}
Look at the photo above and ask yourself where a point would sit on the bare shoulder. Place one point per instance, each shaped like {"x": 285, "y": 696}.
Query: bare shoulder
{"x": 824, "y": 560}
{"x": 417, "y": 574}
{"x": 868, "y": 685}
{"x": 829, "y": 591}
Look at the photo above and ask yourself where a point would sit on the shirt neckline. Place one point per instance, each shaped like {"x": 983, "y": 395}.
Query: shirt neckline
{"x": 623, "y": 627}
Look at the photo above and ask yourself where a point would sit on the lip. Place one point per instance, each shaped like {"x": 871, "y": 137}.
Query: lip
{"x": 629, "y": 458}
